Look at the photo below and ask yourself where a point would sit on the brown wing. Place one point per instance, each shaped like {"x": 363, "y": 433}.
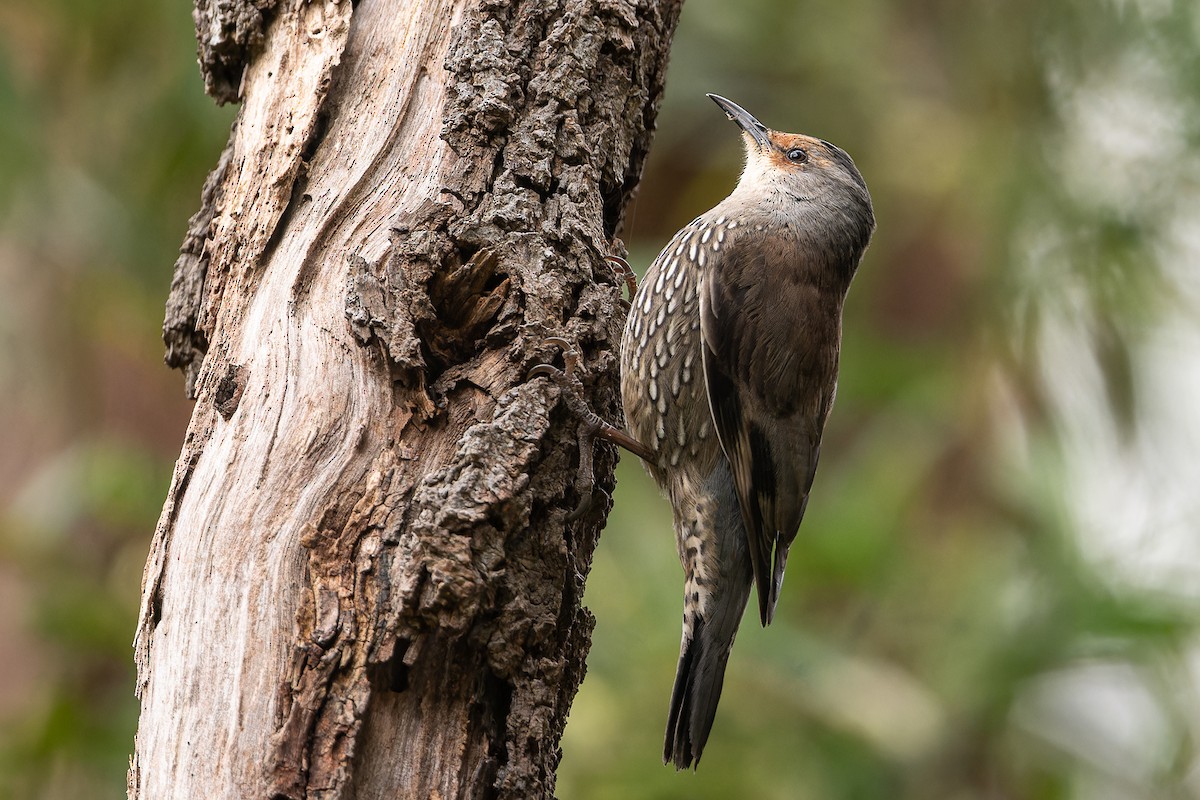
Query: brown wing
{"x": 770, "y": 338}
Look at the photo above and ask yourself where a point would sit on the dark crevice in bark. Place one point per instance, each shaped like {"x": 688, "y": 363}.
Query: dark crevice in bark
{"x": 465, "y": 300}
{"x": 228, "y": 392}
{"x": 489, "y": 709}
{"x": 392, "y": 673}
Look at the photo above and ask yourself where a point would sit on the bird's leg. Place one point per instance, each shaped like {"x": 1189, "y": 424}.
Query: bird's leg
{"x": 591, "y": 425}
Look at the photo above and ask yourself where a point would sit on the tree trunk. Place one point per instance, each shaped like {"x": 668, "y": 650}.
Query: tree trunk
{"x": 363, "y": 582}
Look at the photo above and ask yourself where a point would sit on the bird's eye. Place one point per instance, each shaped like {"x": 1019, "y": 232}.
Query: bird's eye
{"x": 797, "y": 155}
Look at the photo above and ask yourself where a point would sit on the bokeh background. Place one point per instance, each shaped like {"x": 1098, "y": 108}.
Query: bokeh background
{"x": 995, "y": 592}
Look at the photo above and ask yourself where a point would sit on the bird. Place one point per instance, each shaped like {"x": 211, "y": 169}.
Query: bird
{"x": 729, "y": 363}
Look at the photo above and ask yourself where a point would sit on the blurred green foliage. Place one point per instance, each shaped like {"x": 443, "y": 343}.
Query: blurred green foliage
{"x": 105, "y": 138}
{"x": 946, "y": 631}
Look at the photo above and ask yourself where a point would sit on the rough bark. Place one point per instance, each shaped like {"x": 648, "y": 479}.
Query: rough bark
{"x": 363, "y": 582}
{"x": 228, "y": 32}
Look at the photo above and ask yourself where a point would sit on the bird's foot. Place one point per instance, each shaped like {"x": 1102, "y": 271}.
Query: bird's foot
{"x": 591, "y": 425}
{"x": 625, "y": 272}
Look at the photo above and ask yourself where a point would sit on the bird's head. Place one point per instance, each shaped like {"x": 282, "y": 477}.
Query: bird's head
{"x": 804, "y": 168}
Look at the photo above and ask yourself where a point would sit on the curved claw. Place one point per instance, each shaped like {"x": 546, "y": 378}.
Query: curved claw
{"x": 585, "y": 505}
{"x": 547, "y": 370}
{"x": 570, "y": 360}
{"x": 626, "y": 272}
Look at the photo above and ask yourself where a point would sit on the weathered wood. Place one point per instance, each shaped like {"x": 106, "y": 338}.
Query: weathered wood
{"x": 363, "y": 582}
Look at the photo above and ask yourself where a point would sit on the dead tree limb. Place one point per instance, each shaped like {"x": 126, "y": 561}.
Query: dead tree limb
{"x": 363, "y": 582}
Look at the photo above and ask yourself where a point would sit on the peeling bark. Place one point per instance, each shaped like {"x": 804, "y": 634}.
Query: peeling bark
{"x": 185, "y": 340}
{"x": 228, "y": 32}
{"x": 363, "y": 582}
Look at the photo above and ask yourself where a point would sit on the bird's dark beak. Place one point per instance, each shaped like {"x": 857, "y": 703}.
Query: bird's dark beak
{"x": 755, "y": 129}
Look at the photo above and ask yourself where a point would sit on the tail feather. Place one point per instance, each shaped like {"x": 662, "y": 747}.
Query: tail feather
{"x": 716, "y": 559}
{"x": 678, "y": 747}
{"x": 700, "y": 676}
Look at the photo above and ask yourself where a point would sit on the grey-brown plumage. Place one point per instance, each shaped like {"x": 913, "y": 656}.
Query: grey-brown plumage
{"x": 729, "y": 366}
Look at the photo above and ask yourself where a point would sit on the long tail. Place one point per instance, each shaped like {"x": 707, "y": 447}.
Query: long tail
{"x": 701, "y": 671}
